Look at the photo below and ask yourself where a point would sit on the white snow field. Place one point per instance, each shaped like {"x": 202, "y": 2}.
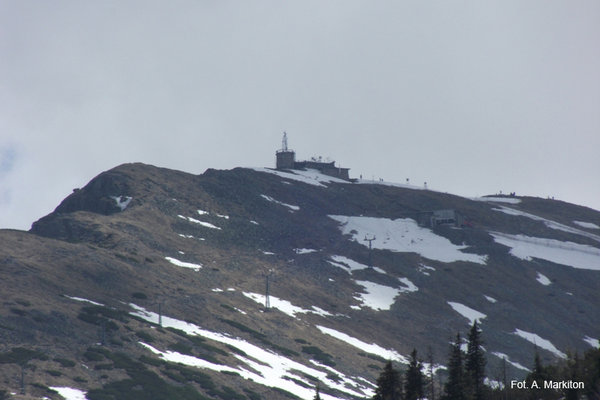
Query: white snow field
{"x": 566, "y": 253}
{"x": 467, "y": 312}
{"x": 264, "y": 367}
{"x": 540, "y": 342}
{"x": 404, "y": 235}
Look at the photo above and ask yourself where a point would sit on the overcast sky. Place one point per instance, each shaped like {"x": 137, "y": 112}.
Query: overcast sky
{"x": 474, "y": 97}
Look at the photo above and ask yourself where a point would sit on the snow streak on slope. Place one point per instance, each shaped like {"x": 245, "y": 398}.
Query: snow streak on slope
{"x": 371, "y": 348}
{"x": 467, "y": 312}
{"x": 309, "y": 176}
{"x": 285, "y": 306}
{"x": 269, "y": 198}
{"x": 195, "y": 221}
{"x": 549, "y": 223}
{"x": 404, "y": 235}
{"x": 509, "y": 200}
{"x": 587, "y": 225}
{"x": 540, "y": 342}
{"x": 514, "y": 364}
{"x": 566, "y": 253}
{"x": 272, "y": 370}
{"x": 183, "y": 264}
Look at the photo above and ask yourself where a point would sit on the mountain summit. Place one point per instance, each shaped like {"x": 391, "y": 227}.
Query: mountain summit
{"x": 264, "y": 283}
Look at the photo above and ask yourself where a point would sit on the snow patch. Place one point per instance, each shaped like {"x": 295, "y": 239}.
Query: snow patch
{"x": 305, "y": 251}
{"x": 271, "y": 371}
{"x": 543, "y": 279}
{"x": 587, "y": 225}
{"x": 183, "y": 264}
{"x": 269, "y": 198}
{"x": 540, "y": 342}
{"x": 195, "y": 221}
{"x": 514, "y": 364}
{"x": 84, "y": 300}
{"x": 549, "y": 223}
{"x": 70, "y": 393}
{"x": 467, "y": 312}
{"x": 404, "y": 235}
{"x": 371, "y": 348}
{"x": 566, "y": 253}
{"x": 424, "y": 269}
{"x": 595, "y": 343}
{"x": 122, "y": 201}
{"x": 285, "y": 306}
{"x": 410, "y": 287}
{"x": 378, "y": 297}
{"x": 509, "y": 200}
{"x": 309, "y": 176}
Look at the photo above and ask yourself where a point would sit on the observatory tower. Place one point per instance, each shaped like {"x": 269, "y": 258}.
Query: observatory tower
{"x": 286, "y": 158}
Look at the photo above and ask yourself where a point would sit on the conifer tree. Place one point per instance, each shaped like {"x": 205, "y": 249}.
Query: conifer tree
{"x": 454, "y": 389}
{"x": 413, "y": 387}
{"x": 475, "y": 364}
{"x": 317, "y": 393}
{"x": 431, "y": 383}
{"x": 389, "y": 385}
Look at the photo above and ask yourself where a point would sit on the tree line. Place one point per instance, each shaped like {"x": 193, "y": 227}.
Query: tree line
{"x": 575, "y": 378}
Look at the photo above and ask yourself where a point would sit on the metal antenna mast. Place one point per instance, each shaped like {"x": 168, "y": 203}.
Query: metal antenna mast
{"x": 370, "y": 240}
{"x": 267, "y": 300}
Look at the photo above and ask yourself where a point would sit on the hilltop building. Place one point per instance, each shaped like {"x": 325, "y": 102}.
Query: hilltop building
{"x": 286, "y": 159}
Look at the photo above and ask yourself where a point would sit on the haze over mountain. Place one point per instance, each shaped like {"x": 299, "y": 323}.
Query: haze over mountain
{"x": 150, "y": 280}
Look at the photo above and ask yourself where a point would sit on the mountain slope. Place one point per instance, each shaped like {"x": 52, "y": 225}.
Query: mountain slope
{"x": 88, "y": 281}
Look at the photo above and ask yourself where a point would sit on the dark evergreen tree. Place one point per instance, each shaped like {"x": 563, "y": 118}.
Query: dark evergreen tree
{"x": 535, "y": 379}
{"x": 317, "y": 393}
{"x": 573, "y": 373}
{"x": 389, "y": 384}
{"x": 454, "y": 389}
{"x": 475, "y": 364}
{"x": 413, "y": 386}
{"x": 431, "y": 381}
